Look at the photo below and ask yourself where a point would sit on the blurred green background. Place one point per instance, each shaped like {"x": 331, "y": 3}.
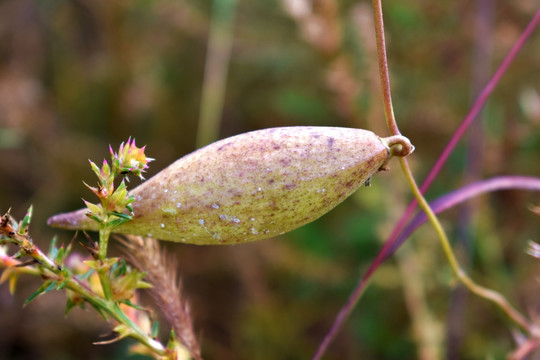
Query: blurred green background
{"x": 76, "y": 76}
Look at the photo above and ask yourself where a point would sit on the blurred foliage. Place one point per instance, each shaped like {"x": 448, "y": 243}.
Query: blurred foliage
{"x": 76, "y": 76}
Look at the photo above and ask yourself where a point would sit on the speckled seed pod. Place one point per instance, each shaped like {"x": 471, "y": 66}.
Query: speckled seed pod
{"x": 252, "y": 186}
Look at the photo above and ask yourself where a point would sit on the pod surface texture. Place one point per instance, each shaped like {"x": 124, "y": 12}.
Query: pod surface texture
{"x": 250, "y": 186}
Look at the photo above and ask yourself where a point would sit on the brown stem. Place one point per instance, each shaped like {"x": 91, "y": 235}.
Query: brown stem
{"x": 383, "y": 69}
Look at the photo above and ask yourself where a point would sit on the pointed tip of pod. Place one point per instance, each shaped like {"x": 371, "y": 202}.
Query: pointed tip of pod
{"x": 75, "y": 220}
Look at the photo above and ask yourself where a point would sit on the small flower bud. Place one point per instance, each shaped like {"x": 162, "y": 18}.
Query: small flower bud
{"x": 131, "y": 159}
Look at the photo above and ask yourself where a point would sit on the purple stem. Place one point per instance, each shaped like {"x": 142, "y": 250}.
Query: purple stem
{"x": 463, "y": 194}
{"x": 477, "y": 106}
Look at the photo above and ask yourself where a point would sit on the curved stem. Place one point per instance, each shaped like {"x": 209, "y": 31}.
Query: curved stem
{"x": 479, "y": 290}
{"x": 103, "y": 305}
{"x": 388, "y": 248}
{"x": 383, "y": 69}
{"x": 486, "y": 293}
{"x": 113, "y": 310}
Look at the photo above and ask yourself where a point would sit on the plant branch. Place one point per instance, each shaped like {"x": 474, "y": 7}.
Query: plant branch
{"x": 471, "y": 116}
{"x": 49, "y": 269}
{"x": 383, "y": 69}
{"x": 477, "y": 106}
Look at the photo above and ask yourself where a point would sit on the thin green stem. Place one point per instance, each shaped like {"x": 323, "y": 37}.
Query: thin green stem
{"x": 103, "y": 270}
{"x": 462, "y": 276}
{"x": 51, "y": 270}
{"x": 113, "y": 310}
{"x": 104, "y": 234}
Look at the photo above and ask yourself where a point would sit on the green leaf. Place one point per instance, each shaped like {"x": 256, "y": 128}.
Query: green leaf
{"x": 115, "y": 164}
{"x": 116, "y": 222}
{"x": 86, "y": 275}
{"x": 73, "y": 299}
{"x": 101, "y": 312}
{"x": 96, "y": 169}
{"x": 108, "y": 263}
{"x": 172, "y": 340}
{"x": 50, "y": 287}
{"x": 122, "y": 186}
{"x": 92, "y": 264}
{"x": 155, "y": 329}
{"x": 67, "y": 251}
{"x": 124, "y": 287}
{"x": 25, "y": 223}
{"x": 96, "y": 210}
{"x": 62, "y": 285}
{"x": 44, "y": 288}
{"x": 120, "y": 268}
{"x": 135, "y": 306}
{"x": 92, "y": 189}
{"x": 105, "y": 170}
{"x": 93, "y": 217}
{"x": 143, "y": 284}
{"x": 59, "y": 258}
{"x": 70, "y": 304}
{"x": 122, "y": 215}
{"x": 53, "y": 249}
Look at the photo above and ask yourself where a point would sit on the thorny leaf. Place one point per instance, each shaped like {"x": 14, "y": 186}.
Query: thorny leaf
{"x": 95, "y": 168}
{"x": 25, "y": 223}
{"x": 98, "y": 264}
{"x": 73, "y": 300}
{"x": 119, "y": 199}
{"x": 46, "y": 287}
{"x": 124, "y": 287}
{"x": 95, "y": 211}
{"x": 53, "y": 249}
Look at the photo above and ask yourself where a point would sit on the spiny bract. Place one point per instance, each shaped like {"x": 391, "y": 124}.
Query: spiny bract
{"x": 252, "y": 186}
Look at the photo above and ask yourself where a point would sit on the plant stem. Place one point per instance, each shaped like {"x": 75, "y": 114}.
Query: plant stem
{"x": 388, "y": 248}
{"x": 104, "y": 234}
{"x": 383, "y": 69}
{"x": 50, "y": 269}
{"x": 113, "y": 310}
{"x": 486, "y": 293}
{"x": 462, "y": 276}
{"x": 103, "y": 270}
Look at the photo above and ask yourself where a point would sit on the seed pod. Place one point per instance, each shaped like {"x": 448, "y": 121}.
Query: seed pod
{"x": 252, "y": 186}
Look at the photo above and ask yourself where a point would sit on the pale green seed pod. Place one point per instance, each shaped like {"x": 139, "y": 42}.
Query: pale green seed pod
{"x": 252, "y": 186}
